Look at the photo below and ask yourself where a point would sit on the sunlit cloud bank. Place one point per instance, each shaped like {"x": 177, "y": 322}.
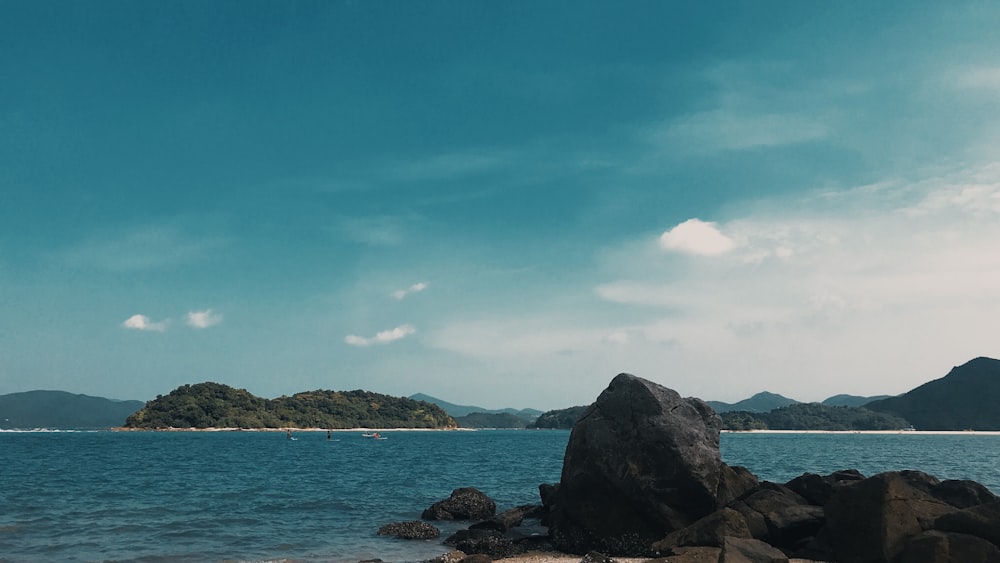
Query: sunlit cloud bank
{"x": 142, "y": 322}
{"x": 203, "y": 319}
{"x": 842, "y": 285}
{"x": 865, "y": 291}
{"x": 403, "y": 293}
{"x": 383, "y": 337}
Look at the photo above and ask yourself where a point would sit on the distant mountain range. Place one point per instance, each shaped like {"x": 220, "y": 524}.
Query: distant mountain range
{"x": 766, "y": 402}
{"x": 965, "y": 399}
{"x": 528, "y": 415}
{"x": 59, "y": 409}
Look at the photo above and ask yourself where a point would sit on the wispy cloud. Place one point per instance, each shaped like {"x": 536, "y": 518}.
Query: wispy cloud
{"x": 378, "y": 230}
{"x": 203, "y": 319}
{"x": 383, "y": 337}
{"x": 403, "y": 293}
{"x": 142, "y": 322}
{"x": 728, "y": 129}
{"x": 145, "y": 247}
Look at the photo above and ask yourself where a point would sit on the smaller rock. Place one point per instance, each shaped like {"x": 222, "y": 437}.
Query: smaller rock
{"x": 694, "y": 555}
{"x": 486, "y": 542}
{"x": 415, "y": 530}
{"x": 963, "y": 493}
{"x": 710, "y": 531}
{"x": 467, "y": 503}
{"x": 792, "y": 525}
{"x": 477, "y": 558}
{"x": 509, "y": 519}
{"x": 450, "y": 557}
{"x": 596, "y": 557}
{"x": 936, "y": 547}
{"x": 982, "y": 521}
{"x": 740, "y": 550}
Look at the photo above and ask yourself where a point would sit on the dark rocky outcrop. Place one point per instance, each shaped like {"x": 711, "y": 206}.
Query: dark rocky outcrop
{"x": 870, "y": 520}
{"x": 948, "y": 547}
{"x": 467, "y": 503}
{"x": 509, "y": 519}
{"x": 643, "y": 477}
{"x": 641, "y": 462}
{"x": 485, "y": 542}
{"x": 414, "y": 530}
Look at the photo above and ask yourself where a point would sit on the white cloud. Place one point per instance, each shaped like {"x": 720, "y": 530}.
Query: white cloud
{"x": 696, "y": 237}
{"x": 203, "y": 319}
{"x": 383, "y": 337}
{"x": 142, "y": 322}
{"x": 403, "y": 293}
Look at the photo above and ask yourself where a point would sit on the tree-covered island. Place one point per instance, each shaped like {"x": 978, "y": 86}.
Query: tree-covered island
{"x": 214, "y": 405}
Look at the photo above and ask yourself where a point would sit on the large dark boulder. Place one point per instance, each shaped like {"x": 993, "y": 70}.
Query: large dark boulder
{"x": 870, "y": 521}
{"x": 641, "y": 462}
{"x": 467, "y": 503}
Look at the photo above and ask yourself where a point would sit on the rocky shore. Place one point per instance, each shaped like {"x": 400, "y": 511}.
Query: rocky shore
{"x": 643, "y": 479}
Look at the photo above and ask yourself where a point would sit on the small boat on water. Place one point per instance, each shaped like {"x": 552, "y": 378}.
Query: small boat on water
{"x": 373, "y": 436}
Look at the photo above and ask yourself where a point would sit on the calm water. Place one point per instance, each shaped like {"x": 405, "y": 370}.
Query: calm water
{"x": 177, "y": 497}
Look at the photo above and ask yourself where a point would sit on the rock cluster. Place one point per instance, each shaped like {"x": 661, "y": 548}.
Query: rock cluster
{"x": 643, "y": 477}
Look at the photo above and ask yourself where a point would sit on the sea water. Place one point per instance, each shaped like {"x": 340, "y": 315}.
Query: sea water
{"x": 256, "y": 496}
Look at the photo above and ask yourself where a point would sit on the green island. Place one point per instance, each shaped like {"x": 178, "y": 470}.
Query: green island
{"x": 214, "y": 405}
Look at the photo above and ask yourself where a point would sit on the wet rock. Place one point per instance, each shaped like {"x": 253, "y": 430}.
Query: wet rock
{"x": 450, "y": 557}
{"x": 415, "y": 530}
{"x": 484, "y": 542}
{"x": 467, "y": 503}
{"x": 596, "y": 557}
{"x": 509, "y": 519}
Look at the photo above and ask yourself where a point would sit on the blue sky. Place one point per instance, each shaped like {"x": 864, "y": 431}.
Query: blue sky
{"x": 497, "y": 203}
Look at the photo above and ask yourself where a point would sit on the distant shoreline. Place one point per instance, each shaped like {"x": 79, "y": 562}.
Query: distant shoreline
{"x": 287, "y": 428}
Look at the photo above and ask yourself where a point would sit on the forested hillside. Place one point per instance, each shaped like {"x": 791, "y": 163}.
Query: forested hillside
{"x": 812, "y": 416}
{"x": 213, "y": 405}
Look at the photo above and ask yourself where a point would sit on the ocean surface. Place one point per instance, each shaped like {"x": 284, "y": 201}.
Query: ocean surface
{"x": 255, "y": 496}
